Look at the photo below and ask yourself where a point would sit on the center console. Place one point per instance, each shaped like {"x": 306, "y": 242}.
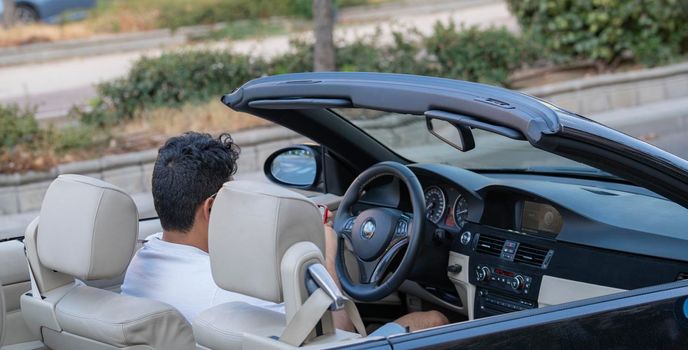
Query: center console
{"x": 505, "y": 267}
{"x": 501, "y": 291}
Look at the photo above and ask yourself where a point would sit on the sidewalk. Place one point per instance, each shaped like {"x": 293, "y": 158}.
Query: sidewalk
{"x": 665, "y": 124}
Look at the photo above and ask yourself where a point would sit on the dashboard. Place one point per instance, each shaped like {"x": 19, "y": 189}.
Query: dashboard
{"x": 521, "y": 241}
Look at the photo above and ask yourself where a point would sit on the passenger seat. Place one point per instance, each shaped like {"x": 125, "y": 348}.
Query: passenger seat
{"x": 87, "y": 230}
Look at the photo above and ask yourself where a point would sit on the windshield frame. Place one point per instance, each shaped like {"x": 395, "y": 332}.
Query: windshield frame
{"x": 593, "y": 173}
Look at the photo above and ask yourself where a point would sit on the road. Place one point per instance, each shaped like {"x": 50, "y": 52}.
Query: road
{"x": 54, "y": 87}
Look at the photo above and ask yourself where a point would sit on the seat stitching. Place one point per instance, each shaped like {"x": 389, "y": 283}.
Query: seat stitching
{"x": 149, "y": 315}
{"x": 93, "y": 235}
{"x": 142, "y": 319}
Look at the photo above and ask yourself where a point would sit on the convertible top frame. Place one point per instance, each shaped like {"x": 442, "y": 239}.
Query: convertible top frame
{"x": 301, "y": 102}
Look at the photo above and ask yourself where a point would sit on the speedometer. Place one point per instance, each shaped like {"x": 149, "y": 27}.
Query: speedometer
{"x": 460, "y": 211}
{"x": 435, "y": 203}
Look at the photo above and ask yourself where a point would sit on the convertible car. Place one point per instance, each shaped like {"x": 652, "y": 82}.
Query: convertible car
{"x": 529, "y": 226}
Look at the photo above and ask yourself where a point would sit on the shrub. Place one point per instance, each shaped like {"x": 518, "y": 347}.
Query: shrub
{"x": 608, "y": 31}
{"x": 473, "y": 54}
{"x": 298, "y": 59}
{"x": 20, "y": 132}
{"x": 73, "y": 137}
{"x": 176, "y": 78}
{"x": 17, "y": 126}
{"x": 403, "y": 55}
{"x": 169, "y": 81}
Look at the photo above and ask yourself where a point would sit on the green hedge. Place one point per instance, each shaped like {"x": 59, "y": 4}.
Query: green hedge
{"x": 608, "y": 31}
{"x": 17, "y": 126}
{"x": 169, "y": 81}
{"x": 176, "y": 78}
{"x": 19, "y": 129}
{"x": 486, "y": 56}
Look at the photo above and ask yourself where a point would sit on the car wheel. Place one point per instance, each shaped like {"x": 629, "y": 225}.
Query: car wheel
{"x": 25, "y": 14}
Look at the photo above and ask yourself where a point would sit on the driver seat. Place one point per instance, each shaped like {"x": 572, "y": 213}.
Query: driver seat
{"x": 266, "y": 242}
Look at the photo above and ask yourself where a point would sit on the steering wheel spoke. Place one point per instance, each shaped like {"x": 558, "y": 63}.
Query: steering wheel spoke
{"x": 374, "y": 271}
{"x": 345, "y": 227}
{"x": 403, "y": 226}
{"x": 383, "y": 263}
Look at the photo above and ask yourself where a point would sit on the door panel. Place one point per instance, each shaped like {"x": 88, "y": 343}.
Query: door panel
{"x": 554, "y": 291}
{"x": 13, "y": 262}
{"x": 649, "y": 318}
{"x": 14, "y": 281}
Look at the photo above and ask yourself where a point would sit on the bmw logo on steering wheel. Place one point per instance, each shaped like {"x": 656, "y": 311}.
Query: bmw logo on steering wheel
{"x": 368, "y": 229}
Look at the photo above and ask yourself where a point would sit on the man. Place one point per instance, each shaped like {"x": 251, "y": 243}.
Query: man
{"x": 174, "y": 266}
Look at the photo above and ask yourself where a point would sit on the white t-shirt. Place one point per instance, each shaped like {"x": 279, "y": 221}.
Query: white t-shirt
{"x": 179, "y": 275}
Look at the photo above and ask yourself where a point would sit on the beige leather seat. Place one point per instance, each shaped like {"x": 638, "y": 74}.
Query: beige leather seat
{"x": 87, "y": 230}
{"x": 264, "y": 241}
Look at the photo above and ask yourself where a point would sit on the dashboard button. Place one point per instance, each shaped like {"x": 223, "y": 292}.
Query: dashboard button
{"x": 517, "y": 283}
{"x": 455, "y": 268}
{"x": 466, "y": 237}
{"x": 483, "y": 273}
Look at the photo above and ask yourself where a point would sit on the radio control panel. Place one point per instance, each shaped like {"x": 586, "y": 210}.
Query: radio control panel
{"x": 511, "y": 281}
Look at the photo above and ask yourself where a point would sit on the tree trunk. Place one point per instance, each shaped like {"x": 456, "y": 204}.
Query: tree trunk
{"x": 8, "y": 13}
{"x": 323, "y": 18}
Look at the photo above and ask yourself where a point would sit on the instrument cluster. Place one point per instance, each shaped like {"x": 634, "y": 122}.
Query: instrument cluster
{"x": 447, "y": 207}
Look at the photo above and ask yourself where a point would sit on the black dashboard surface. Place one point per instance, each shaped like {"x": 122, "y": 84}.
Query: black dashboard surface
{"x": 596, "y": 214}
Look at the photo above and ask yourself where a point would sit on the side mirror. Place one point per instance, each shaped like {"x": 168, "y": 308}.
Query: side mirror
{"x": 295, "y": 166}
{"x": 457, "y": 136}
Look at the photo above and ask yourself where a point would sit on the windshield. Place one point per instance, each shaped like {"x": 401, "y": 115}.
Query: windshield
{"x": 407, "y": 135}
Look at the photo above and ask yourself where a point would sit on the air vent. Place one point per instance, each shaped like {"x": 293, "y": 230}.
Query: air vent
{"x": 489, "y": 245}
{"x": 533, "y": 255}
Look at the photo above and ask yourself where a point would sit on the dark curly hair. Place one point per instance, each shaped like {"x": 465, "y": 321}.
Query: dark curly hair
{"x": 189, "y": 169}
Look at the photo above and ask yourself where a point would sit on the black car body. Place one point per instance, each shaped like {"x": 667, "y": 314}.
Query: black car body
{"x": 621, "y": 224}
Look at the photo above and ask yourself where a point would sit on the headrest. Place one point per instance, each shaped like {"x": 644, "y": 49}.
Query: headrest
{"x": 251, "y": 226}
{"x": 87, "y": 228}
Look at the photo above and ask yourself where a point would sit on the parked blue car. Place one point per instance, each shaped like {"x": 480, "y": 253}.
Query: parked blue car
{"x": 49, "y": 11}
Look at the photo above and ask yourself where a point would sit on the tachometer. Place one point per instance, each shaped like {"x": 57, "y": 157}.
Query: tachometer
{"x": 435, "y": 203}
{"x": 460, "y": 211}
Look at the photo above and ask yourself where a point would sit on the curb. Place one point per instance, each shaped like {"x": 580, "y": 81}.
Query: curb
{"x": 608, "y": 79}
{"x": 100, "y": 45}
{"x": 163, "y": 38}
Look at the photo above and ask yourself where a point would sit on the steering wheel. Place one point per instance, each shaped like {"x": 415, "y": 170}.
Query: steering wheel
{"x": 378, "y": 234}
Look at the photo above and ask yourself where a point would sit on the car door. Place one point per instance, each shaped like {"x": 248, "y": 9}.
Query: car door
{"x": 649, "y": 318}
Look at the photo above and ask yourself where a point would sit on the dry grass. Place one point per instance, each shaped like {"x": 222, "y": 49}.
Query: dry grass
{"x": 132, "y": 16}
{"x": 149, "y": 130}
{"x": 208, "y": 117}
{"x": 35, "y": 33}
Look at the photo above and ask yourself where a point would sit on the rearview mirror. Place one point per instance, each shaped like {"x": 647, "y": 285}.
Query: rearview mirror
{"x": 457, "y": 136}
{"x": 295, "y": 166}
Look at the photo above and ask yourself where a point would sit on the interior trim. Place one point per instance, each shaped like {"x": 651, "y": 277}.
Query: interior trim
{"x": 465, "y": 290}
{"x": 554, "y": 291}
{"x": 13, "y": 293}
{"x": 16, "y": 331}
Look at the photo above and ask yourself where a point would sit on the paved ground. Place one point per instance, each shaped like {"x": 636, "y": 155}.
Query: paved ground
{"x": 55, "y": 86}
